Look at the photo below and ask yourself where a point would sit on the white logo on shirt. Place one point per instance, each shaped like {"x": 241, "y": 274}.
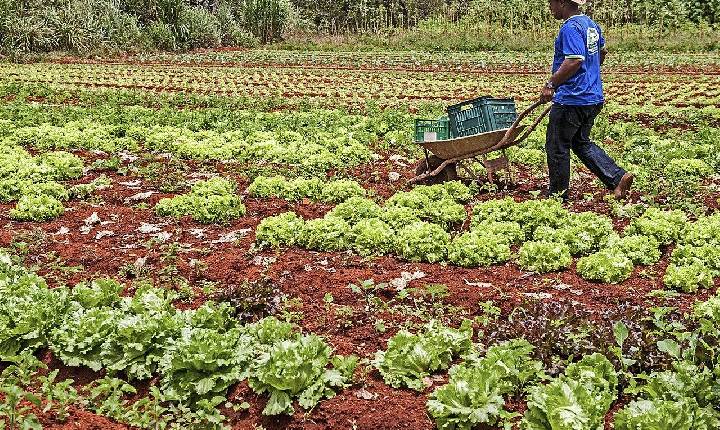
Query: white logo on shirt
{"x": 593, "y": 38}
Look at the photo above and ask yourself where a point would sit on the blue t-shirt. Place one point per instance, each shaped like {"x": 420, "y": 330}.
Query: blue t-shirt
{"x": 580, "y": 37}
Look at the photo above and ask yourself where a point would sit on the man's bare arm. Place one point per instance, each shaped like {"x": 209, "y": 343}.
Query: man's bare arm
{"x": 567, "y": 70}
{"x": 603, "y": 54}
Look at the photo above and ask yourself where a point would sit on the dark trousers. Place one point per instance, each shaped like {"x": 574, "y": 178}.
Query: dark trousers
{"x": 570, "y": 128}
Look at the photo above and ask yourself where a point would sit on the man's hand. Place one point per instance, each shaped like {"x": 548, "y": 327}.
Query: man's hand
{"x": 546, "y": 94}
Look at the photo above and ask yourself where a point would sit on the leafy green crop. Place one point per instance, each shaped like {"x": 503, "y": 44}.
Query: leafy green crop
{"x": 605, "y": 266}
{"x": 355, "y": 209}
{"x": 203, "y": 363}
{"x": 665, "y": 415}
{"x": 372, "y": 237}
{"x": 474, "y": 393}
{"x": 78, "y": 340}
{"x": 584, "y": 232}
{"x": 544, "y": 257}
{"x": 705, "y": 255}
{"x": 511, "y": 231}
{"x": 476, "y": 249}
{"x": 688, "y": 278}
{"x": 665, "y": 226}
{"x": 325, "y": 234}
{"x": 279, "y": 230}
{"x": 211, "y": 201}
{"x": 639, "y": 249}
{"x": 37, "y": 208}
{"x": 577, "y": 400}
{"x": 298, "y": 368}
{"x": 411, "y": 357}
{"x": 141, "y": 334}
{"x": 422, "y": 241}
{"x": 682, "y": 398}
{"x": 296, "y": 189}
{"x": 28, "y": 309}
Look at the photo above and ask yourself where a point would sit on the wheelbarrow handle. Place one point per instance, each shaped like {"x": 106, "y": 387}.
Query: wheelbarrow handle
{"x": 505, "y": 141}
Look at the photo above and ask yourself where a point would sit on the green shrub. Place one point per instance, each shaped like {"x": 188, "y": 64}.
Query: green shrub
{"x": 544, "y": 257}
{"x": 605, "y": 266}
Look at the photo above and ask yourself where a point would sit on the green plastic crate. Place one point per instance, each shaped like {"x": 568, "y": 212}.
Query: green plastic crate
{"x": 481, "y": 115}
{"x": 432, "y": 130}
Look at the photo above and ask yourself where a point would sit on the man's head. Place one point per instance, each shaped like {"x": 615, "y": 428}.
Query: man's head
{"x": 563, "y": 9}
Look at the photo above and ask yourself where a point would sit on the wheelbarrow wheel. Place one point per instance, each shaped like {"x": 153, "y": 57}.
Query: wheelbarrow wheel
{"x": 449, "y": 173}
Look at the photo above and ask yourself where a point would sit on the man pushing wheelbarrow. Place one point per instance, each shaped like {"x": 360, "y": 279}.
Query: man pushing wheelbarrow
{"x": 576, "y": 91}
{"x": 475, "y": 128}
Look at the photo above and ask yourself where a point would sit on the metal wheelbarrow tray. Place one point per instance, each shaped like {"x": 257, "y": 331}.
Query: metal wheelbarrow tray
{"x": 455, "y": 151}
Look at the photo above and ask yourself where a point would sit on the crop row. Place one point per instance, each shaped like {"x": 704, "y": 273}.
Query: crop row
{"x": 349, "y": 85}
{"x": 195, "y": 356}
{"x": 480, "y": 61}
{"x": 417, "y": 226}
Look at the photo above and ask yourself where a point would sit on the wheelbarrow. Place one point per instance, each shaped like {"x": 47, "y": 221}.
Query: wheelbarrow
{"x": 447, "y": 155}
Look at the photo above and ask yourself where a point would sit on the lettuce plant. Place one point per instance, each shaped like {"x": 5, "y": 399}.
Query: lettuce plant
{"x": 705, "y": 255}
{"x": 355, "y": 209}
{"x": 325, "y": 234}
{"x": 639, "y": 249}
{"x": 202, "y": 363}
{"x": 28, "y": 309}
{"x": 579, "y": 399}
{"x": 37, "y": 208}
{"x": 422, "y": 241}
{"x": 584, "y": 232}
{"x": 664, "y": 226}
{"x": 340, "y": 190}
{"x": 605, "y": 266}
{"x": 476, "y": 249}
{"x": 544, "y": 257}
{"x": 475, "y": 391}
{"x": 411, "y": 357}
{"x": 298, "y": 368}
{"x": 398, "y": 217}
{"x": 211, "y": 201}
{"x": 511, "y": 231}
{"x": 666, "y": 414}
{"x": 688, "y": 278}
{"x": 372, "y": 237}
{"x": 280, "y": 230}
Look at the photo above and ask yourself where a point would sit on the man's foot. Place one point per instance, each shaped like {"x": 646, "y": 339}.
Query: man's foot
{"x": 623, "y": 187}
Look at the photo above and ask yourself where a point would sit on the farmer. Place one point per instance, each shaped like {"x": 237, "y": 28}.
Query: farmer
{"x": 576, "y": 90}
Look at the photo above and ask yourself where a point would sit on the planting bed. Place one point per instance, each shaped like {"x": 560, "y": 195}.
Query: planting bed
{"x": 180, "y": 182}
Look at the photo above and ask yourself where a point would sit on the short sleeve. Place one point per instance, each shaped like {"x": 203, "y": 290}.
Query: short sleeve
{"x": 573, "y": 42}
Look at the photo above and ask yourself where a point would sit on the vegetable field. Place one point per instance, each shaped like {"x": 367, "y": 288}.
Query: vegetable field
{"x": 229, "y": 240}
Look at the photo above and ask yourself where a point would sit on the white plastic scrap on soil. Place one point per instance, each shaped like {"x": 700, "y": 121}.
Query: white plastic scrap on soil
{"x": 147, "y": 228}
{"x": 232, "y": 236}
{"x": 478, "y": 284}
{"x": 104, "y": 233}
{"x": 405, "y": 278}
{"x": 140, "y": 196}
